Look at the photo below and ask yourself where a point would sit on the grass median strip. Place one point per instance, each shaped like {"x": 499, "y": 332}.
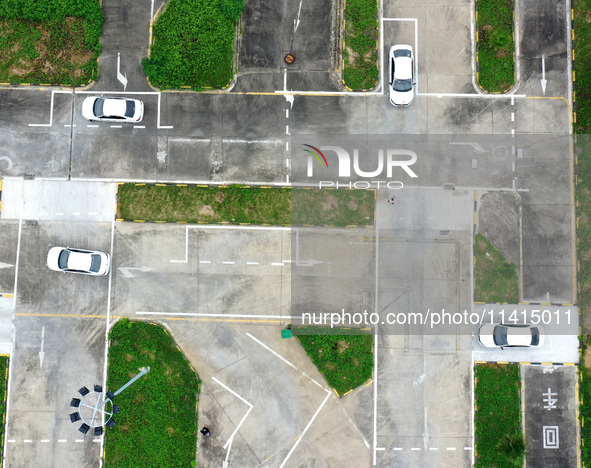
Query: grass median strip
{"x": 53, "y": 41}
{"x": 360, "y": 53}
{"x": 497, "y": 425}
{"x": 495, "y": 279}
{"x": 194, "y": 44}
{"x": 157, "y": 425}
{"x": 496, "y": 47}
{"x": 343, "y": 357}
{"x": 251, "y": 205}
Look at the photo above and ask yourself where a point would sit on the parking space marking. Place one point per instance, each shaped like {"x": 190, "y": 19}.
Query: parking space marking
{"x": 198, "y": 314}
{"x": 416, "y": 50}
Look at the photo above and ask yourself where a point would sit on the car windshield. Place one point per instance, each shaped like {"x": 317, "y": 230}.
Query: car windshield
{"x": 402, "y": 53}
{"x": 535, "y": 337}
{"x": 98, "y": 107}
{"x": 62, "y": 260}
{"x": 129, "y": 108}
{"x": 95, "y": 263}
{"x": 500, "y": 335}
{"x": 402, "y": 85}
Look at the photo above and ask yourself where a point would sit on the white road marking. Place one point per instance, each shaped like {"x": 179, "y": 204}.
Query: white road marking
{"x": 27, "y": 441}
{"x": 71, "y": 126}
{"x": 467, "y": 448}
{"x": 121, "y": 76}
{"x": 512, "y": 116}
{"x": 42, "y": 353}
{"x": 77, "y": 213}
{"x": 287, "y": 146}
{"x": 158, "y": 115}
{"x": 287, "y": 113}
{"x": 433, "y": 448}
{"x": 450, "y": 448}
{"x": 186, "y": 260}
{"x": 287, "y": 362}
{"x": 126, "y": 271}
{"x": 79, "y": 441}
{"x": 139, "y": 126}
{"x": 116, "y": 126}
{"x": 286, "y": 161}
{"x": 397, "y": 448}
{"x": 287, "y": 129}
{"x": 50, "y": 112}
{"x": 61, "y": 441}
{"x": 92, "y": 126}
{"x": 305, "y": 429}
{"x": 287, "y": 179}
{"x": 228, "y": 262}
{"x": 205, "y": 261}
{"x": 252, "y": 263}
{"x": 380, "y": 448}
{"x": 5, "y": 265}
{"x": 92, "y": 213}
{"x": 97, "y": 440}
{"x": 59, "y": 214}
{"x": 44, "y": 441}
{"x": 196, "y": 314}
{"x": 277, "y": 264}
{"x": 12, "y": 441}
{"x": 416, "y": 449}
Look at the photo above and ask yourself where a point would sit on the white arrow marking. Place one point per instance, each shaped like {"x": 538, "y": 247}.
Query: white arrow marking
{"x": 5, "y": 265}
{"x": 296, "y": 22}
{"x": 126, "y": 271}
{"x": 289, "y": 98}
{"x": 120, "y": 76}
{"x": 41, "y": 353}
{"x": 543, "y": 80}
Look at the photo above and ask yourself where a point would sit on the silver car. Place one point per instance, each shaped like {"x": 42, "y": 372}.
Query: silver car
{"x": 113, "y": 109}
{"x": 402, "y": 75}
{"x": 87, "y": 262}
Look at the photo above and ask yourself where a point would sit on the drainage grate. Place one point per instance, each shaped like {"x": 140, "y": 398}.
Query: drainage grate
{"x": 444, "y": 233}
{"x": 449, "y": 186}
{"x": 29, "y": 176}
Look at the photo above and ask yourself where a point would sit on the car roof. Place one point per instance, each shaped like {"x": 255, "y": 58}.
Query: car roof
{"x": 519, "y": 336}
{"x": 79, "y": 261}
{"x": 113, "y": 106}
{"x": 403, "y": 70}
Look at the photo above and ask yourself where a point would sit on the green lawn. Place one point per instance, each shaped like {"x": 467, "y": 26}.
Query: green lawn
{"x": 3, "y": 386}
{"x": 360, "y": 54}
{"x": 157, "y": 425}
{"x": 50, "y": 41}
{"x": 495, "y": 45}
{"x": 193, "y": 44}
{"x": 582, "y": 65}
{"x": 345, "y": 360}
{"x": 497, "y": 420}
{"x": 237, "y": 204}
{"x": 495, "y": 279}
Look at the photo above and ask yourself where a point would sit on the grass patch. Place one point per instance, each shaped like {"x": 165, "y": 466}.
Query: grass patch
{"x": 361, "y": 35}
{"x": 497, "y": 420}
{"x": 582, "y": 64}
{"x": 193, "y": 44}
{"x": 495, "y": 279}
{"x": 235, "y": 204}
{"x": 496, "y": 45}
{"x": 157, "y": 425}
{"x": 3, "y": 385}
{"x": 345, "y": 360}
{"x": 54, "y": 41}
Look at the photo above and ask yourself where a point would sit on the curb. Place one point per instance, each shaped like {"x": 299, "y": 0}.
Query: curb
{"x": 571, "y": 364}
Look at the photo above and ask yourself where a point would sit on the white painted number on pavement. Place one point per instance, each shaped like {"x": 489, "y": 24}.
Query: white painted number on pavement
{"x": 550, "y": 399}
{"x": 550, "y": 437}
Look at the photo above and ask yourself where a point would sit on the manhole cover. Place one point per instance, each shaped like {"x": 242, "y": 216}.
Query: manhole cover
{"x": 289, "y": 59}
{"x": 5, "y": 163}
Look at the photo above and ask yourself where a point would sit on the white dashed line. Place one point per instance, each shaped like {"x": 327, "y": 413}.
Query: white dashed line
{"x": 416, "y": 448}
{"x": 116, "y": 126}
{"x": 287, "y": 163}
{"x": 96, "y": 440}
{"x": 450, "y": 448}
{"x": 92, "y": 126}
{"x": 433, "y": 448}
{"x": 287, "y": 146}
{"x": 59, "y": 214}
{"x": 287, "y": 129}
{"x": 92, "y": 213}
{"x": 512, "y": 132}
{"x": 12, "y": 441}
{"x": 139, "y": 126}
{"x": 278, "y": 264}
{"x": 71, "y": 126}
{"x": 79, "y": 440}
{"x": 61, "y": 441}
{"x": 227, "y": 262}
{"x": 512, "y": 116}
{"x": 204, "y": 261}
{"x": 467, "y": 448}
{"x": 252, "y": 263}
{"x": 287, "y": 179}
{"x": 44, "y": 441}
{"x": 287, "y": 113}
{"x": 397, "y": 448}
{"x": 27, "y": 441}
{"x": 76, "y": 214}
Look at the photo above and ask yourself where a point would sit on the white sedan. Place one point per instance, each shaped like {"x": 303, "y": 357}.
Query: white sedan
{"x": 402, "y": 75}
{"x": 88, "y": 262}
{"x": 113, "y": 109}
{"x": 493, "y": 335}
